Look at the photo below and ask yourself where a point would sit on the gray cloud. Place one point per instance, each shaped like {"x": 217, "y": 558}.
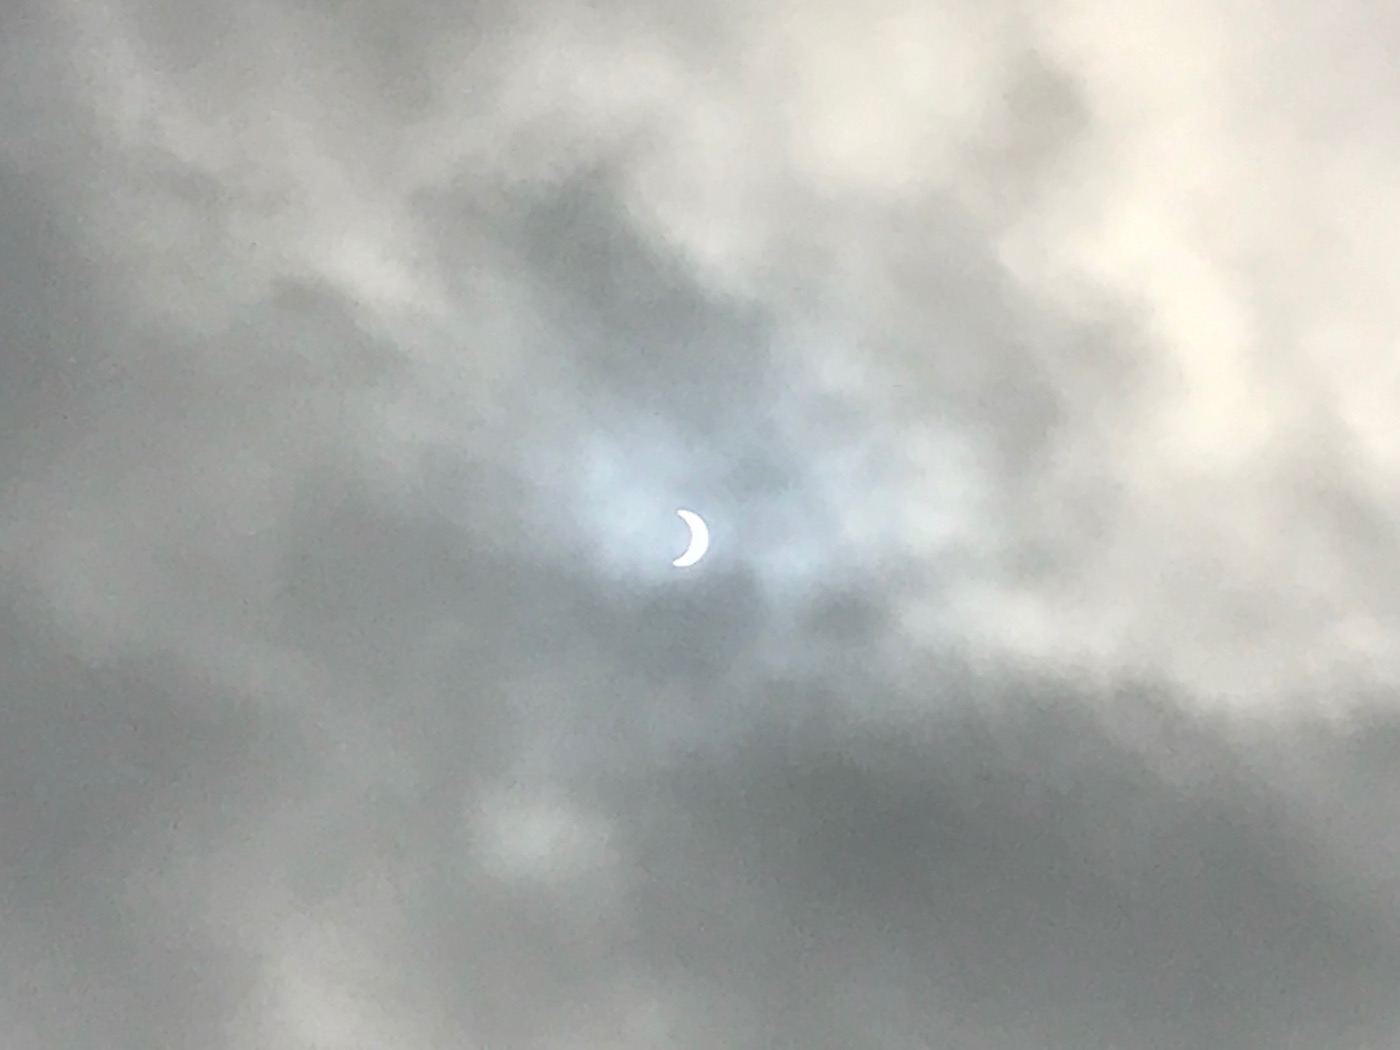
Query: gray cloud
{"x": 1030, "y": 367}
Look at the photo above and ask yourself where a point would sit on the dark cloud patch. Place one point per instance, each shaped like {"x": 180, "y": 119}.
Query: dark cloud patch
{"x": 981, "y": 869}
{"x": 56, "y": 303}
{"x": 113, "y": 776}
{"x": 1043, "y": 116}
{"x": 626, "y": 315}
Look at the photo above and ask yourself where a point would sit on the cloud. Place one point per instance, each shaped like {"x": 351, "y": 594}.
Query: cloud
{"x": 1030, "y": 368}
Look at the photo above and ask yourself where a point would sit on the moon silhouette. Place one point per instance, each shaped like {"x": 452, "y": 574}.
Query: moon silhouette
{"x": 699, "y": 539}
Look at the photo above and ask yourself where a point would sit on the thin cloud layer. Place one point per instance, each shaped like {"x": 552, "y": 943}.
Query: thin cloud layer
{"x": 1029, "y": 366}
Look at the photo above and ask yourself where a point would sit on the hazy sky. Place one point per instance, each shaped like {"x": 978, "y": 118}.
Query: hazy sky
{"x": 1037, "y": 367}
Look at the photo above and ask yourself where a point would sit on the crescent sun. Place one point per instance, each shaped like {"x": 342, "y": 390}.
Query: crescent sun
{"x": 699, "y": 539}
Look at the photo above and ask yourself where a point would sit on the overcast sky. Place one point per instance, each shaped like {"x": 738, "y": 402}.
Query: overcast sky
{"x": 1036, "y": 365}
